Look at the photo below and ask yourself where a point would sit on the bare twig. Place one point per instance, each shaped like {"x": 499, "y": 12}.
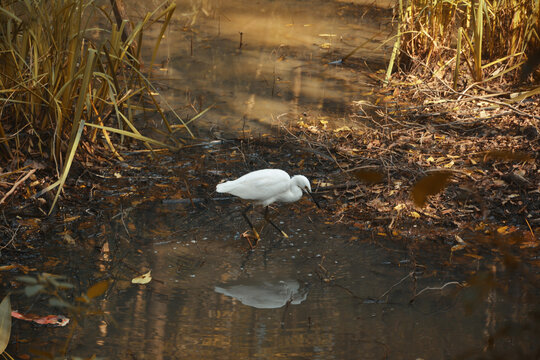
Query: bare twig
{"x": 16, "y": 185}
{"x": 12, "y": 238}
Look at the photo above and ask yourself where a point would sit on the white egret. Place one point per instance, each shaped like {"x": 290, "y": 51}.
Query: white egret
{"x": 265, "y": 187}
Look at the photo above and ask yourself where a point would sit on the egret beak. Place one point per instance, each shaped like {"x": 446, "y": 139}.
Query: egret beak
{"x": 313, "y": 198}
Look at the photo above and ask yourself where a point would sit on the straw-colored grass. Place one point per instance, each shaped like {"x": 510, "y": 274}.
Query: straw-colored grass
{"x": 63, "y": 80}
{"x": 483, "y": 40}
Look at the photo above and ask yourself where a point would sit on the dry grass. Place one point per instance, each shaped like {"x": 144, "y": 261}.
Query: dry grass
{"x": 480, "y": 40}
{"x": 63, "y": 80}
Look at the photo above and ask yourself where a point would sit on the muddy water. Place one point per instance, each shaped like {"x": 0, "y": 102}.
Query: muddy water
{"x": 262, "y": 64}
{"x": 316, "y": 295}
{"x": 320, "y": 294}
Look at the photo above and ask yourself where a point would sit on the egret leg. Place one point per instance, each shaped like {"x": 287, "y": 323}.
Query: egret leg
{"x": 244, "y": 214}
{"x": 267, "y": 218}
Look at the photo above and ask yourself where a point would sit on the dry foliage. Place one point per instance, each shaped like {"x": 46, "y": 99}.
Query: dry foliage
{"x": 66, "y": 81}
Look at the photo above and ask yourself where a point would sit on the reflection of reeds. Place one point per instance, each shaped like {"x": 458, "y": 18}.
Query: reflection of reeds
{"x": 55, "y": 78}
{"x": 440, "y": 33}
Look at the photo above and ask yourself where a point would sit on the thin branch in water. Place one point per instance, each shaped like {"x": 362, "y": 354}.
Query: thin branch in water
{"x": 396, "y": 284}
{"x": 457, "y": 283}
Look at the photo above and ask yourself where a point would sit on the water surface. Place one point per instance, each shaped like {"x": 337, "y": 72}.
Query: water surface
{"x": 263, "y": 64}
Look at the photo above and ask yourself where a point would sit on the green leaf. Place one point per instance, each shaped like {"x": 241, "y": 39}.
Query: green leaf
{"x": 64, "y": 285}
{"x": 32, "y": 290}
{"x": 27, "y": 279}
{"x": 5, "y": 323}
{"x": 58, "y": 303}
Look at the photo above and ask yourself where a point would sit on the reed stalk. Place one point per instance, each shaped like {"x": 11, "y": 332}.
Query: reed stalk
{"x": 63, "y": 80}
{"x": 492, "y": 38}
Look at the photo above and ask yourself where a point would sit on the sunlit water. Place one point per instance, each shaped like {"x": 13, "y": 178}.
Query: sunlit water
{"x": 263, "y": 64}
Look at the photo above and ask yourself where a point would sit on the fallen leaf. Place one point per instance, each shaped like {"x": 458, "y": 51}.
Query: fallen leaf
{"x": 528, "y": 244}
{"x": 8, "y": 267}
{"x": 399, "y": 207}
{"x": 98, "y": 289}
{"x": 68, "y": 239}
{"x": 143, "y": 279}
{"x": 369, "y": 176}
{"x": 507, "y": 155}
{"x": 503, "y": 230}
{"x": 5, "y": 323}
{"x": 431, "y": 184}
{"x": 457, "y": 247}
{"x": 55, "y": 320}
{"x": 343, "y": 128}
{"x": 474, "y": 256}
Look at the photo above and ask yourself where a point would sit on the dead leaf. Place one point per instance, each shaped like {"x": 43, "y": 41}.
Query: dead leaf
{"x": 98, "y": 289}
{"x": 400, "y": 207}
{"x": 143, "y": 279}
{"x": 507, "y": 155}
{"x": 55, "y": 320}
{"x": 457, "y": 247}
{"x": 369, "y": 176}
{"x": 474, "y": 256}
{"x": 68, "y": 239}
{"x": 343, "y": 128}
{"x": 431, "y": 184}
{"x": 8, "y": 267}
{"x": 503, "y": 230}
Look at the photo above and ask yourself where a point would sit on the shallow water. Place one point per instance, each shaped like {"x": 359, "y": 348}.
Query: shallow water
{"x": 316, "y": 295}
{"x": 263, "y": 64}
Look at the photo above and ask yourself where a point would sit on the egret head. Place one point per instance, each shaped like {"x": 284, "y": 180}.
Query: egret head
{"x": 302, "y": 182}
